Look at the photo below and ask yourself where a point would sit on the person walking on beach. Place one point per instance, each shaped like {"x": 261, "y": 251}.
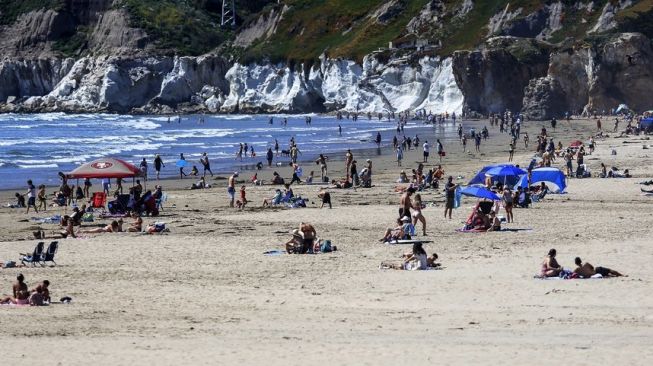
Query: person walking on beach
{"x": 598, "y": 125}
{"x": 231, "y": 189}
{"x": 322, "y": 162}
{"x": 143, "y": 168}
{"x": 400, "y": 155}
{"x": 339, "y": 130}
{"x": 378, "y": 139}
{"x": 158, "y": 164}
{"x": 426, "y": 148}
{"x": 31, "y": 196}
{"x": 441, "y": 152}
{"x": 477, "y": 142}
{"x": 450, "y": 190}
{"x": 511, "y": 151}
{"x": 206, "y": 163}
{"x": 526, "y": 140}
{"x": 464, "y": 142}
{"x": 405, "y": 203}
{"x": 182, "y": 163}
{"x": 276, "y": 147}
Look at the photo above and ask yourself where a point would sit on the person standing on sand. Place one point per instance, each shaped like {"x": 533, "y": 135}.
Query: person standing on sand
{"x": 339, "y": 130}
{"x": 322, "y": 162}
{"x": 31, "y": 196}
{"x": 158, "y": 164}
{"x": 269, "y": 156}
{"x": 450, "y": 191}
{"x": 400, "y": 155}
{"x": 231, "y": 189}
{"x": 378, "y": 139}
{"x": 426, "y": 147}
{"x": 511, "y": 151}
{"x": 181, "y": 167}
{"x": 349, "y": 158}
{"x": 598, "y": 124}
{"x": 526, "y": 140}
{"x": 441, "y": 152}
{"x": 405, "y": 204}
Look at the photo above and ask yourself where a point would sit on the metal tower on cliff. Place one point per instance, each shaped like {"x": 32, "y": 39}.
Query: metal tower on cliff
{"x": 228, "y": 13}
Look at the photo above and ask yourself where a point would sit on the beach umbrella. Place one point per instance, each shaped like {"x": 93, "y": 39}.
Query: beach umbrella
{"x": 508, "y": 174}
{"x": 549, "y": 175}
{"x": 479, "y": 192}
{"x": 479, "y": 178}
{"x": 576, "y": 143}
{"x": 105, "y": 168}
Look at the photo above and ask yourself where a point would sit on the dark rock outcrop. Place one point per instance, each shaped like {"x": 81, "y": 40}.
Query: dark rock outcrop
{"x": 493, "y": 78}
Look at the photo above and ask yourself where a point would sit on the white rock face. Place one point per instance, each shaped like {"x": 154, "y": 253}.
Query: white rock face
{"x": 344, "y": 85}
{"x": 607, "y": 19}
{"x": 153, "y": 85}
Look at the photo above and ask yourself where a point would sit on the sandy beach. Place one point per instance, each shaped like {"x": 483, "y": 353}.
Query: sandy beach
{"x": 205, "y": 293}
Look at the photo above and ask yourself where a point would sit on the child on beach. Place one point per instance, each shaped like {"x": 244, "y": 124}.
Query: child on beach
{"x": 243, "y": 200}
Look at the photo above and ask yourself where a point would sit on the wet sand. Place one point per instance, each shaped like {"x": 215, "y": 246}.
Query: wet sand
{"x": 204, "y": 293}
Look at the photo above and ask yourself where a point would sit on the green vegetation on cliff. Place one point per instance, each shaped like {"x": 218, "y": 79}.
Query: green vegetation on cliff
{"x": 340, "y": 27}
{"x": 10, "y": 10}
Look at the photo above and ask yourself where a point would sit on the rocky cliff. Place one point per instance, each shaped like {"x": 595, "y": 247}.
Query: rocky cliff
{"x": 148, "y": 56}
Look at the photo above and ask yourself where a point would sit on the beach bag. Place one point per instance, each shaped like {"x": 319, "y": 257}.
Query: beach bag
{"x": 325, "y": 247}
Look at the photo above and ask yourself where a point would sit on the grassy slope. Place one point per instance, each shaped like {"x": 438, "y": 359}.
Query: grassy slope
{"x": 339, "y": 26}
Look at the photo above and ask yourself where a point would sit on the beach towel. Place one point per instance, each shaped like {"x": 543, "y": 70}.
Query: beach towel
{"x": 558, "y": 278}
{"x": 274, "y": 252}
{"x": 47, "y": 220}
{"x": 462, "y": 230}
{"x": 400, "y": 242}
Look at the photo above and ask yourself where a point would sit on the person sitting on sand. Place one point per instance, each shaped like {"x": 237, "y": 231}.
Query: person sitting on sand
{"x": 278, "y": 195}
{"x": 309, "y": 179}
{"x": 587, "y": 270}
{"x": 294, "y": 245}
{"x": 67, "y": 223}
{"x": 194, "y": 172}
{"x": 431, "y": 261}
{"x": 137, "y": 225}
{"x": 308, "y": 233}
{"x": 114, "y": 227}
{"x": 20, "y": 201}
{"x": 550, "y": 266}
{"x": 201, "y": 184}
{"x": 43, "y": 287}
{"x": 495, "y": 223}
{"x": 20, "y": 292}
{"x": 277, "y": 179}
{"x": 415, "y": 261}
{"x": 403, "y": 178}
{"x": 394, "y": 234}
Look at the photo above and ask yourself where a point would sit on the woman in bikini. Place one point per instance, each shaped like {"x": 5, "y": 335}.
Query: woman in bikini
{"x": 114, "y": 227}
{"x": 550, "y": 266}
{"x": 416, "y": 213}
{"x": 21, "y": 293}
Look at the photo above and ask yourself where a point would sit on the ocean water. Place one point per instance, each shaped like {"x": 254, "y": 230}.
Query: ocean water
{"x": 37, "y": 146}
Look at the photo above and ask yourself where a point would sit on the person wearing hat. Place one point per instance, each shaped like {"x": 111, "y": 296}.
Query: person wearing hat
{"x": 295, "y": 243}
{"x": 231, "y": 189}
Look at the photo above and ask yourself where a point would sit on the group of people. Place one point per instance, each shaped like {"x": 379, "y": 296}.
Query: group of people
{"x": 22, "y": 295}
{"x": 551, "y": 268}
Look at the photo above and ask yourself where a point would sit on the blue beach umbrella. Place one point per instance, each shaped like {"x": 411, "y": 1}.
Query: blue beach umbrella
{"x": 508, "y": 174}
{"x": 479, "y": 192}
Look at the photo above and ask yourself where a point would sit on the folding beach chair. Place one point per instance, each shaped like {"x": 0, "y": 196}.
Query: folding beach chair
{"x": 98, "y": 200}
{"x": 36, "y": 255}
{"x": 48, "y": 255}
